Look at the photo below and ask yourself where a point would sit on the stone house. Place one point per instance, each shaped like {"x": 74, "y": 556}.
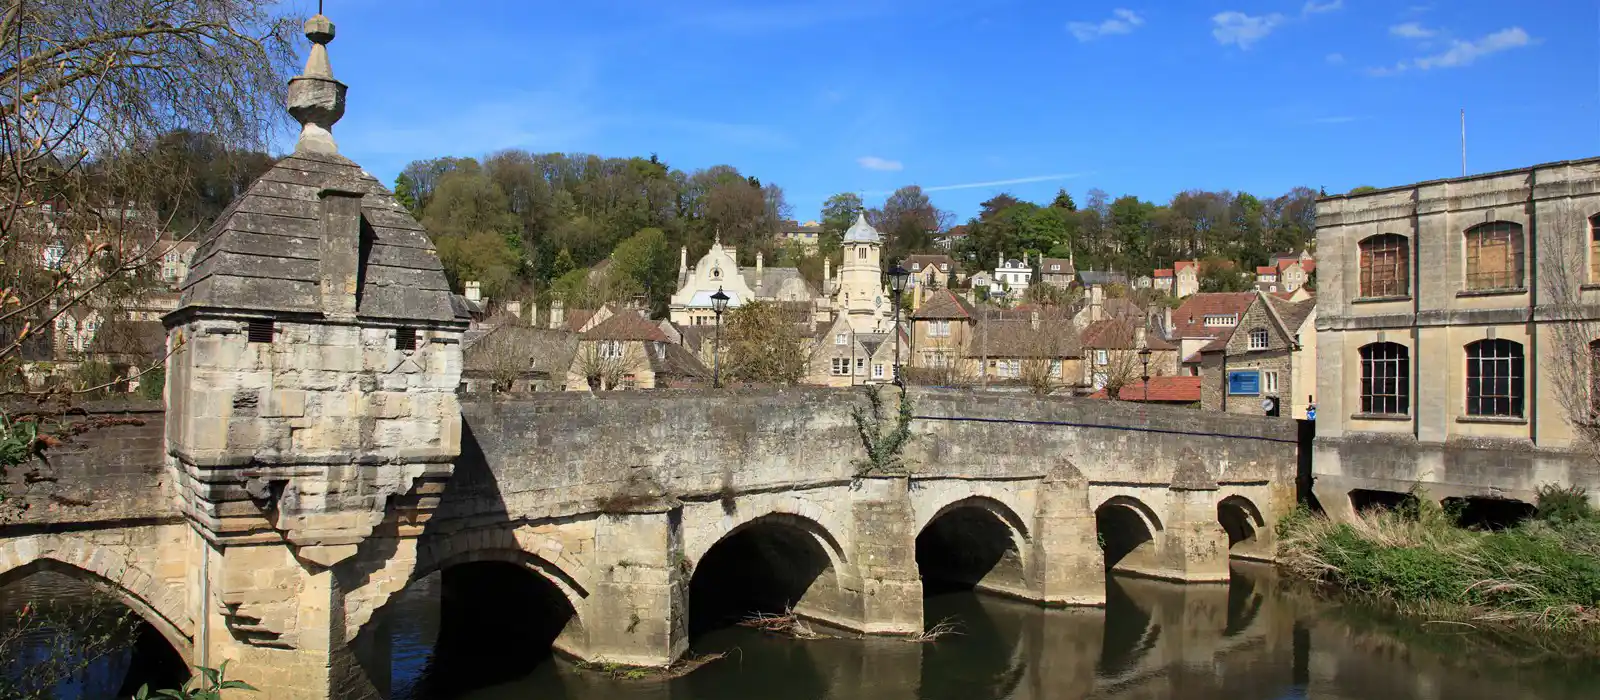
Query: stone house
{"x": 1013, "y": 275}
{"x": 1454, "y": 313}
{"x": 1185, "y": 278}
{"x": 1041, "y": 351}
{"x": 1111, "y": 352}
{"x": 1203, "y": 318}
{"x": 806, "y": 236}
{"x": 840, "y": 356}
{"x": 1161, "y": 280}
{"x": 941, "y": 330}
{"x": 515, "y": 358}
{"x": 628, "y": 351}
{"x": 1057, "y": 272}
{"x": 1262, "y": 357}
{"x": 719, "y": 270}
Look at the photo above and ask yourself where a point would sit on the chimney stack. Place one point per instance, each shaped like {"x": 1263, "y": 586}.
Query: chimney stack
{"x": 474, "y": 291}
{"x": 683, "y": 259}
{"x": 758, "y": 266}
{"x": 1096, "y": 298}
{"x": 514, "y": 308}
{"x": 827, "y": 269}
{"x": 558, "y": 314}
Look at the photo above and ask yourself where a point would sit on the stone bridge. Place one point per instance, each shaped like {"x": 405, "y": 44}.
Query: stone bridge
{"x": 638, "y": 519}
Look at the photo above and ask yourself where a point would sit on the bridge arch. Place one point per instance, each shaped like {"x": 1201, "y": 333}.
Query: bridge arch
{"x": 1246, "y": 528}
{"x": 774, "y": 563}
{"x": 1128, "y": 530}
{"x": 973, "y": 542}
{"x": 108, "y": 571}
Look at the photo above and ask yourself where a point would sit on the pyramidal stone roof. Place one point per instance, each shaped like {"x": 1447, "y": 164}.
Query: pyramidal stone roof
{"x": 277, "y": 248}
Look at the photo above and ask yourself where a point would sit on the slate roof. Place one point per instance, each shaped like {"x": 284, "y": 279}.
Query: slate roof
{"x": 1093, "y": 277}
{"x": 1290, "y": 312}
{"x": 921, "y": 261}
{"x": 1016, "y": 337}
{"x": 626, "y": 324}
{"x": 1120, "y": 334}
{"x": 264, "y": 251}
{"x": 772, "y": 278}
{"x": 141, "y": 339}
{"x": 1065, "y": 266}
{"x": 943, "y": 304}
{"x": 677, "y": 361}
{"x": 549, "y": 352}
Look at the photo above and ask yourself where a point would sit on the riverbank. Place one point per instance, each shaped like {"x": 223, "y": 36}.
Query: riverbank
{"x": 1541, "y": 576}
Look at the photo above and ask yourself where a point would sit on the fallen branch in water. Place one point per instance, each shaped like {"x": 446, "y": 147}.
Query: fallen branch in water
{"x": 786, "y": 623}
{"x": 944, "y": 628}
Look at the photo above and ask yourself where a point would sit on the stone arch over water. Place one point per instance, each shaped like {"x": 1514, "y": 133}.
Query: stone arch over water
{"x": 1128, "y": 531}
{"x": 973, "y": 542}
{"x": 1246, "y": 528}
{"x": 107, "y": 571}
{"x": 776, "y": 563}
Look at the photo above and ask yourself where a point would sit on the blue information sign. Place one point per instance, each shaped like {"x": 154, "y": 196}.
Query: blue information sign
{"x": 1246, "y": 382}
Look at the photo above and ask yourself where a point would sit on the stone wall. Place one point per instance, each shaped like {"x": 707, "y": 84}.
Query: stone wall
{"x": 114, "y": 471}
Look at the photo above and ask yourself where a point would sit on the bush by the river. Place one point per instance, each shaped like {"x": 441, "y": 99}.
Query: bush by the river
{"x": 1541, "y": 574}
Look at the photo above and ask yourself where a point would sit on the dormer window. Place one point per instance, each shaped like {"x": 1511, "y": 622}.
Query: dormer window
{"x": 944, "y": 267}
{"x": 1221, "y": 320}
{"x": 1055, "y": 268}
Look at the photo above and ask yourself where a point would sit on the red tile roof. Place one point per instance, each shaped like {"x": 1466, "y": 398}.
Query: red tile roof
{"x": 1189, "y": 320}
{"x": 1266, "y": 270}
{"x": 1164, "y": 272}
{"x": 1162, "y": 389}
{"x": 1182, "y": 265}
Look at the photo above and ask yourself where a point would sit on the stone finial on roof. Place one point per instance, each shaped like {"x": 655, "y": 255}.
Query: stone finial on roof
{"x": 316, "y": 100}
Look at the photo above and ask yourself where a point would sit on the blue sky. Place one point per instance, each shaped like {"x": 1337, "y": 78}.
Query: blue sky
{"x": 1144, "y": 98}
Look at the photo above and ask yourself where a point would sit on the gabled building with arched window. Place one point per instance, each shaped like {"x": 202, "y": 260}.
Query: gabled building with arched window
{"x": 1456, "y": 331}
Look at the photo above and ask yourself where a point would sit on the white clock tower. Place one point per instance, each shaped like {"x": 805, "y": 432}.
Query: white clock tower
{"x": 861, "y": 294}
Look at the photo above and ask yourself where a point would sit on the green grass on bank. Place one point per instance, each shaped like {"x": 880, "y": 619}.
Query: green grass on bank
{"x": 1543, "y": 574}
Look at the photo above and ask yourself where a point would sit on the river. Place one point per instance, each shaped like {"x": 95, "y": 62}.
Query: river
{"x": 1247, "y": 640}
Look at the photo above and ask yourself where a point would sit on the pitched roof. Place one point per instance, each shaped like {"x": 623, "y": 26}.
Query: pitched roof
{"x": 1266, "y": 270}
{"x": 921, "y": 261}
{"x": 943, "y": 304}
{"x": 1291, "y": 313}
{"x": 546, "y": 351}
{"x": 1189, "y": 319}
{"x": 1064, "y": 266}
{"x": 1181, "y": 265}
{"x": 1162, "y": 389}
{"x": 1016, "y": 337}
{"x": 147, "y": 339}
{"x": 1164, "y": 272}
{"x": 772, "y": 278}
{"x": 677, "y": 361}
{"x": 1091, "y": 277}
{"x": 1120, "y": 334}
{"x": 626, "y": 324}
{"x": 264, "y": 252}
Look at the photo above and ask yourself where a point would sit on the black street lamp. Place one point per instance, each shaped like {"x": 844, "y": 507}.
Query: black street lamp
{"x": 719, "y": 304}
{"x": 1144, "y": 356}
{"x": 897, "y": 284}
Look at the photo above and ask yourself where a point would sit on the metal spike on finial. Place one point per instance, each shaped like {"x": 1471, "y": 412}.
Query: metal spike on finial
{"x": 316, "y": 100}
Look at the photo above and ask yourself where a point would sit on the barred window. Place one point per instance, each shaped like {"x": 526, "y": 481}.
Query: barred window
{"x": 1494, "y": 378}
{"x": 1494, "y": 256}
{"x": 1385, "y": 379}
{"x": 1385, "y": 266}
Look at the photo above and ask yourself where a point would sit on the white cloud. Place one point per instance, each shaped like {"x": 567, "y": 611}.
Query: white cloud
{"x": 1241, "y": 29}
{"x": 1461, "y": 53}
{"x": 1122, "y": 21}
{"x": 876, "y": 163}
{"x": 1313, "y": 7}
{"x": 1334, "y": 59}
{"x": 1003, "y": 183}
{"x": 1412, "y": 30}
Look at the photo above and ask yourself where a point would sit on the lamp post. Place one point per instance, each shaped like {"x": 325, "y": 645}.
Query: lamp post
{"x": 719, "y": 304}
{"x": 897, "y": 284}
{"x": 1144, "y": 357}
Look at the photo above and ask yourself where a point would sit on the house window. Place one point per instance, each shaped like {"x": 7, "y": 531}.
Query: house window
{"x": 944, "y": 267}
{"x": 841, "y": 366}
{"x": 877, "y": 370}
{"x": 1101, "y": 357}
{"x": 629, "y": 382}
{"x": 861, "y": 365}
{"x": 916, "y": 267}
{"x": 1594, "y": 248}
{"x": 1269, "y": 382}
{"x": 1011, "y": 368}
{"x": 1055, "y": 268}
{"x": 611, "y": 350}
{"x": 1385, "y": 379}
{"x": 1385, "y": 261}
{"x": 1221, "y": 320}
{"x": 841, "y": 339}
{"x": 1494, "y": 378}
{"x": 939, "y": 329}
{"x": 1258, "y": 339}
{"x": 1055, "y": 368}
{"x": 1494, "y": 256}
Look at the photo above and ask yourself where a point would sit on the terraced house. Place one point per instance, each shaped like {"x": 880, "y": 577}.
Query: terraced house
{"x": 1458, "y": 340}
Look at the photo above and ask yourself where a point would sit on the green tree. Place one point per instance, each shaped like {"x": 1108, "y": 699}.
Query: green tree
{"x": 405, "y": 192}
{"x": 563, "y": 263}
{"x": 483, "y": 257}
{"x": 1064, "y": 201}
{"x": 647, "y": 262}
